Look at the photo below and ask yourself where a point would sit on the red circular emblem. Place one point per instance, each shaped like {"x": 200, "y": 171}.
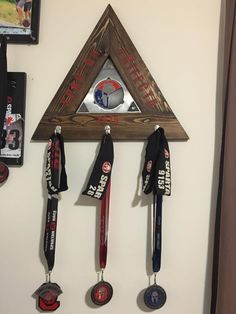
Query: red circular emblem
{"x": 149, "y": 166}
{"x": 101, "y": 293}
{"x": 106, "y": 167}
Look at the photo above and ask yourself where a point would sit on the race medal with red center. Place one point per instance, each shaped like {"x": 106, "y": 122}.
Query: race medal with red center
{"x": 99, "y": 187}
{"x": 4, "y": 172}
{"x": 47, "y": 296}
{"x": 56, "y": 179}
{"x": 101, "y": 293}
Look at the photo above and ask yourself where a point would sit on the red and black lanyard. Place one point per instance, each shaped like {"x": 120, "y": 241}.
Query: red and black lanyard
{"x": 156, "y": 176}
{"x": 99, "y": 187}
{"x": 56, "y": 179}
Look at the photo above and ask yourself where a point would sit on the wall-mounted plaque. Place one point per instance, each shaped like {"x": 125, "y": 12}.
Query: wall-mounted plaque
{"x": 109, "y": 84}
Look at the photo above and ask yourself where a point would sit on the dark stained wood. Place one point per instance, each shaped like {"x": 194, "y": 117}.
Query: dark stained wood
{"x": 109, "y": 39}
{"x": 91, "y": 126}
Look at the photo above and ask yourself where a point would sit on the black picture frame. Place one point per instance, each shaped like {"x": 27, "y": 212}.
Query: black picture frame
{"x": 22, "y": 34}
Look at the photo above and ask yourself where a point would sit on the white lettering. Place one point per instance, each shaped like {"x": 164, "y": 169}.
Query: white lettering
{"x": 52, "y": 241}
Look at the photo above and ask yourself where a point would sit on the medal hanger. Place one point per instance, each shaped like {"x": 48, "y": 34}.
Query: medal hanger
{"x": 109, "y": 83}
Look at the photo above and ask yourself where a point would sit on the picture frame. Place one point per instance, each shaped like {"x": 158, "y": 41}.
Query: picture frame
{"x": 19, "y": 21}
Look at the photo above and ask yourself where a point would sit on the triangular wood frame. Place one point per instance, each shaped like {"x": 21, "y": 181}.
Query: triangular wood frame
{"x": 109, "y": 39}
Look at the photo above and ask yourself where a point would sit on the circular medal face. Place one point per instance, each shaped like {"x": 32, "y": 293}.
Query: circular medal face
{"x": 108, "y": 94}
{"x": 101, "y": 293}
{"x": 4, "y": 172}
{"x": 155, "y": 297}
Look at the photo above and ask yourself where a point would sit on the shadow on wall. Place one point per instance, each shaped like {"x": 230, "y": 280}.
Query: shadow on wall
{"x": 216, "y": 164}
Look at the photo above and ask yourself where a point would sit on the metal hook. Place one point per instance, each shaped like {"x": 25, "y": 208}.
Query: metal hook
{"x": 107, "y": 129}
{"x": 155, "y": 278}
{"x": 48, "y": 276}
{"x": 58, "y": 129}
{"x": 102, "y": 271}
{"x": 156, "y": 127}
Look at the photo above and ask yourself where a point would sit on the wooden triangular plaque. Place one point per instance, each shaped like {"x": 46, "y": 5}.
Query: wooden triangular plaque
{"x": 109, "y": 40}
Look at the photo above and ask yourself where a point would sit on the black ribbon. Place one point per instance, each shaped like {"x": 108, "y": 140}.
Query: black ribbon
{"x": 56, "y": 182}
{"x": 3, "y": 87}
{"x": 156, "y": 177}
{"x": 101, "y": 174}
{"x": 156, "y": 171}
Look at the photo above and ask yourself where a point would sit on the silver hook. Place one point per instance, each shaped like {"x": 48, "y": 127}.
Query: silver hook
{"x": 107, "y": 129}
{"x": 48, "y": 276}
{"x": 156, "y": 127}
{"x": 58, "y": 129}
{"x": 155, "y": 278}
{"x": 102, "y": 271}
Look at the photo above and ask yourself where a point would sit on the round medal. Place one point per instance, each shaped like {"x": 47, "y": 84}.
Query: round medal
{"x": 4, "y": 172}
{"x": 154, "y": 297}
{"x": 101, "y": 293}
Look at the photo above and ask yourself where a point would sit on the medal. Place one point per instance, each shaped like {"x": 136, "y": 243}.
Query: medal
{"x": 99, "y": 187}
{"x": 56, "y": 180}
{"x": 4, "y": 172}
{"x": 47, "y": 296}
{"x": 156, "y": 179}
{"x": 101, "y": 293}
{"x": 155, "y": 297}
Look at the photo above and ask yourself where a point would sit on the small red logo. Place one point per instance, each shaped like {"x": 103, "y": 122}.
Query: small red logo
{"x": 166, "y": 153}
{"x": 149, "y": 166}
{"x": 9, "y": 120}
{"x": 106, "y": 167}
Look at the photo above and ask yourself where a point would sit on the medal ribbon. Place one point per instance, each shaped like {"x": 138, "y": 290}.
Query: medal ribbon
{"x": 157, "y": 225}
{"x": 56, "y": 182}
{"x": 3, "y": 86}
{"x": 157, "y": 179}
{"x": 99, "y": 187}
{"x": 100, "y": 176}
{"x": 104, "y": 227}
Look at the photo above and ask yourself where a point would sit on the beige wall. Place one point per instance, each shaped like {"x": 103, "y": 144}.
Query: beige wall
{"x": 178, "y": 40}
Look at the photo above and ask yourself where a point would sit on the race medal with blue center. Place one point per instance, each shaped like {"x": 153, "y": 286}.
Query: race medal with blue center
{"x": 156, "y": 179}
{"x": 155, "y": 297}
